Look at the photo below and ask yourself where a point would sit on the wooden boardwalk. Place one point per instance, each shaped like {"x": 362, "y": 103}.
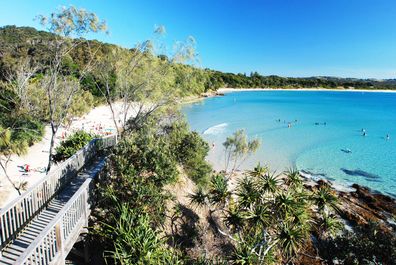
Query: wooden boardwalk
{"x": 42, "y": 227}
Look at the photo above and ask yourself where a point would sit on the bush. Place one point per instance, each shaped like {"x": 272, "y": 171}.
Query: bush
{"x": 25, "y": 129}
{"x": 135, "y": 240}
{"x": 132, "y": 199}
{"x": 367, "y": 245}
{"x": 74, "y": 143}
{"x": 190, "y": 151}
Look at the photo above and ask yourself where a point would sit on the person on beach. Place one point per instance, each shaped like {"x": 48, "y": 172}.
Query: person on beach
{"x": 26, "y": 168}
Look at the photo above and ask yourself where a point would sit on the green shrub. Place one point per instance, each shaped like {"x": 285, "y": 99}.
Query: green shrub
{"x": 25, "y": 130}
{"x": 72, "y": 144}
{"x": 367, "y": 245}
{"x": 190, "y": 151}
{"x": 132, "y": 199}
{"x": 135, "y": 241}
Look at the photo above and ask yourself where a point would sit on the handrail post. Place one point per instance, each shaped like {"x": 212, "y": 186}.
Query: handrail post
{"x": 60, "y": 240}
{"x": 86, "y": 206}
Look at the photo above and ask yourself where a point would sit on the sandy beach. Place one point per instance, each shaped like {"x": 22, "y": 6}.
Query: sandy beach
{"x": 98, "y": 121}
{"x": 228, "y": 90}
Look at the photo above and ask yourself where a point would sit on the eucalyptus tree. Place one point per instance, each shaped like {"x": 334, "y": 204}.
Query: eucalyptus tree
{"x": 18, "y": 129}
{"x": 143, "y": 78}
{"x": 19, "y": 82}
{"x": 69, "y": 26}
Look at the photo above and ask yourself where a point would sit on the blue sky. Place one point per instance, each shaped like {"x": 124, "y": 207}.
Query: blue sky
{"x": 346, "y": 38}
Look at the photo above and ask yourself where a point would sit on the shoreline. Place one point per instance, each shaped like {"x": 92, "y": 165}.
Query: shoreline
{"x": 338, "y": 186}
{"x": 229, "y": 90}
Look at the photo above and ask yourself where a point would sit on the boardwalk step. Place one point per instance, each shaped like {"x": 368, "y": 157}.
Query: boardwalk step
{"x": 17, "y": 247}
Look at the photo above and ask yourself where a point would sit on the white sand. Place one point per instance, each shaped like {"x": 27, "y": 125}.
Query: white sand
{"x": 99, "y": 121}
{"x": 227, "y": 90}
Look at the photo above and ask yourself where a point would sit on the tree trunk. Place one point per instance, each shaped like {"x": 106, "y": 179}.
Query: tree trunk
{"x": 52, "y": 142}
{"x": 4, "y": 167}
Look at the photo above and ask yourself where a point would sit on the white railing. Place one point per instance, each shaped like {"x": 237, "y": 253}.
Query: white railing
{"x": 20, "y": 211}
{"x": 56, "y": 240}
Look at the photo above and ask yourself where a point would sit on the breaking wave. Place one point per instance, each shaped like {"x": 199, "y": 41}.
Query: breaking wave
{"x": 217, "y": 129}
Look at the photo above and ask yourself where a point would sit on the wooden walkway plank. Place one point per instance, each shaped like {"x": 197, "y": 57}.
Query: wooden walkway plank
{"x": 18, "y": 246}
{"x": 42, "y": 225}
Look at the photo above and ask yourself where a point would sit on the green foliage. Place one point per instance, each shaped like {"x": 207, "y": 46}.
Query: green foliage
{"x": 142, "y": 163}
{"x": 255, "y": 80}
{"x": 71, "y": 145}
{"x": 22, "y": 42}
{"x": 23, "y": 131}
{"x": 238, "y": 148}
{"x": 135, "y": 241}
{"x": 269, "y": 218}
{"x": 191, "y": 150}
{"x": 243, "y": 255}
{"x": 269, "y": 183}
{"x": 325, "y": 197}
{"x": 218, "y": 190}
{"x": 368, "y": 244}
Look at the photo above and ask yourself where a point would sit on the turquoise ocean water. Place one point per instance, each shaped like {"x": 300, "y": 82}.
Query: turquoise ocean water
{"x": 325, "y": 138}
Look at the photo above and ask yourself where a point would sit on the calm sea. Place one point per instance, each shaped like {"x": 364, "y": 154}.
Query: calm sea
{"x": 325, "y": 138}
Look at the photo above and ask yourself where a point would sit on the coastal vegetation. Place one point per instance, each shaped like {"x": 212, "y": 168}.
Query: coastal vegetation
{"x": 263, "y": 218}
{"x": 132, "y": 199}
{"x": 71, "y": 145}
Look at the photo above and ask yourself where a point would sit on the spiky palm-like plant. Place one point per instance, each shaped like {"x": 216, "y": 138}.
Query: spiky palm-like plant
{"x": 247, "y": 192}
{"x": 243, "y": 255}
{"x": 258, "y": 171}
{"x": 269, "y": 183}
{"x": 290, "y": 239}
{"x": 134, "y": 240}
{"x": 234, "y": 219}
{"x": 259, "y": 216}
{"x": 293, "y": 178}
{"x": 198, "y": 198}
{"x": 218, "y": 193}
{"x": 285, "y": 203}
{"x": 328, "y": 225}
{"x": 325, "y": 197}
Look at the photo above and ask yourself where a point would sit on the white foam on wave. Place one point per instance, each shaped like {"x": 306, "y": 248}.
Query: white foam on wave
{"x": 337, "y": 186}
{"x": 217, "y": 129}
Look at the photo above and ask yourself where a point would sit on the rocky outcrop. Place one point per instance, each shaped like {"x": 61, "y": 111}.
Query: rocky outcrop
{"x": 212, "y": 94}
{"x": 361, "y": 206}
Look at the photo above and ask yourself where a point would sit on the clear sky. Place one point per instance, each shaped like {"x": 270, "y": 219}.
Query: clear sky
{"x": 346, "y": 38}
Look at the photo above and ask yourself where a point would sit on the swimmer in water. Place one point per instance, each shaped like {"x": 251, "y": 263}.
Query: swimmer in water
{"x": 387, "y": 137}
{"x": 364, "y": 133}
